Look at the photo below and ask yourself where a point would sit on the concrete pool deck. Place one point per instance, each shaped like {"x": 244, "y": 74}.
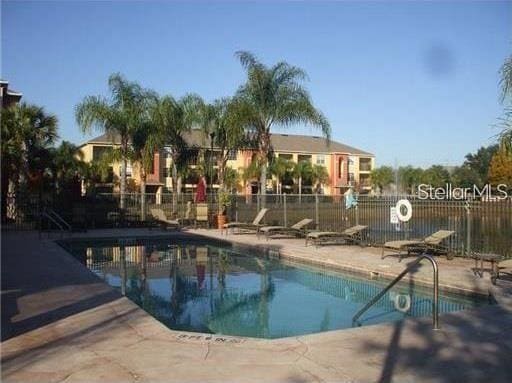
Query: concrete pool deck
{"x": 65, "y": 325}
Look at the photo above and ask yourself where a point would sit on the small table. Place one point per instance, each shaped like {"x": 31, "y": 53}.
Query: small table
{"x": 494, "y": 259}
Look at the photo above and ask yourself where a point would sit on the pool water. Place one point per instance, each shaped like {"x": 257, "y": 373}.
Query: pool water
{"x": 211, "y": 287}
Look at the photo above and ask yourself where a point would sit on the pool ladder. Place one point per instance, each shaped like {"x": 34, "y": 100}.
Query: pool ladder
{"x": 435, "y": 292}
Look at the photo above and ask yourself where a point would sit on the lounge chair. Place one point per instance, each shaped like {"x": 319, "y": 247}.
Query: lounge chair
{"x": 160, "y": 217}
{"x": 246, "y": 227}
{"x": 352, "y": 235}
{"x": 297, "y": 230}
{"x": 202, "y": 214}
{"x": 432, "y": 243}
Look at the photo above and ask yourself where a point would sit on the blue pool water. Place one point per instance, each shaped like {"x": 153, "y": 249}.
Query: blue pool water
{"x": 204, "y": 286}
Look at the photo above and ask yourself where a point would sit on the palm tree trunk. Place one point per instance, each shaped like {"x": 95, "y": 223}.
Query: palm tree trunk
{"x": 263, "y": 183}
{"x": 143, "y": 194}
{"x": 300, "y": 189}
{"x": 179, "y": 185}
{"x": 124, "y": 165}
{"x": 174, "y": 185}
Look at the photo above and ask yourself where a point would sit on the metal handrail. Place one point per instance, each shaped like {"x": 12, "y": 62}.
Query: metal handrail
{"x": 45, "y": 214}
{"x": 58, "y": 218}
{"x": 435, "y": 300}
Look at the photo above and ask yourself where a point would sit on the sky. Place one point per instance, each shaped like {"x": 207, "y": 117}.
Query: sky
{"x": 412, "y": 82}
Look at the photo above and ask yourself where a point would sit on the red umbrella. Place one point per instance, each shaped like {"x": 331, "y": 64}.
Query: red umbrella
{"x": 201, "y": 190}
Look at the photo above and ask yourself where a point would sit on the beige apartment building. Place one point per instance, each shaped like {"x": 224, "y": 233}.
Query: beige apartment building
{"x": 346, "y": 166}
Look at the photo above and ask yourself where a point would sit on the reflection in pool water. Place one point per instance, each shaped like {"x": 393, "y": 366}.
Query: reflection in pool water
{"x": 213, "y": 288}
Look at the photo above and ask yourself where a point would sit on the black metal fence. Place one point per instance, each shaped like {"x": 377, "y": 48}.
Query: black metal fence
{"x": 478, "y": 225}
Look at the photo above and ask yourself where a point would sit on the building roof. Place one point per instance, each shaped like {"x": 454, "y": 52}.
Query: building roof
{"x": 290, "y": 143}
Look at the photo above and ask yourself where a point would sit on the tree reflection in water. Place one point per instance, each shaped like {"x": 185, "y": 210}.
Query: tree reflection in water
{"x": 217, "y": 307}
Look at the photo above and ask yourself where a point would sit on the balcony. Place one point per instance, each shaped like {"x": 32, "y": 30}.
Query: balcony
{"x": 365, "y": 165}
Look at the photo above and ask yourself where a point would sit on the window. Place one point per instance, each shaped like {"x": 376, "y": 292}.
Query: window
{"x": 99, "y": 151}
{"x": 365, "y": 164}
{"x": 286, "y": 156}
{"x": 304, "y": 157}
{"x": 320, "y": 159}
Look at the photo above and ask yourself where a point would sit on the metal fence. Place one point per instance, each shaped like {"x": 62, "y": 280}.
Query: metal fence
{"x": 479, "y": 225}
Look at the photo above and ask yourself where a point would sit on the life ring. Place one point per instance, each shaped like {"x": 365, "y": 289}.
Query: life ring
{"x": 398, "y": 302}
{"x": 407, "y": 205}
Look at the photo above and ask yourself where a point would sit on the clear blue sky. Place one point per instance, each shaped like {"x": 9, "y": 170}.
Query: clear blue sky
{"x": 411, "y": 82}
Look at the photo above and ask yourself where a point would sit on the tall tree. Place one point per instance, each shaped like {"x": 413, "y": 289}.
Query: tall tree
{"x": 26, "y": 131}
{"x": 479, "y": 163}
{"x": 67, "y": 165}
{"x": 500, "y": 171}
{"x": 409, "y": 177}
{"x": 505, "y": 135}
{"x": 173, "y": 118}
{"x": 320, "y": 176}
{"x": 303, "y": 171}
{"x": 222, "y": 123}
{"x": 506, "y": 79}
{"x": 120, "y": 116}
{"x": 146, "y": 141}
{"x": 275, "y": 96}
{"x": 436, "y": 176}
{"x": 382, "y": 177}
{"x": 279, "y": 168}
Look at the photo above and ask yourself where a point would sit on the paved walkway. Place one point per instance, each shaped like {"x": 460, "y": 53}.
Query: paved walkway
{"x": 86, "y": 339}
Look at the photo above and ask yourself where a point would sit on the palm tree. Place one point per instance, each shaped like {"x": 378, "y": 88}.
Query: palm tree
{"x": 274, "y": 96}
{"x": 320, "y": 176}
{"x": 119, "y": 116}
{"x": 506, "y": 96}
{"x": 303, "y": 170}
{"x": 26, "y": 131}
{"x": 251, "y": 172}
{"x": 506, "y": 79}
{"x": 221, "y": 121}
{"x": 146, "y": 141}
{"x": 67, "y": 164}
{"x": 279, "y": 167}
{"x": 172, "y": 119}
{"x": 382, "y": 177}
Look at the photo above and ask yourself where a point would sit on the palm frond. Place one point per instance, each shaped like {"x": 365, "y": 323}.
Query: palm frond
{"x": 506, "y": 79}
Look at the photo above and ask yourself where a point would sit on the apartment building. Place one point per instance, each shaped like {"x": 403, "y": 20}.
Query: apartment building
{"x": 8, "y": 96}
{"x": 346, "y": 166}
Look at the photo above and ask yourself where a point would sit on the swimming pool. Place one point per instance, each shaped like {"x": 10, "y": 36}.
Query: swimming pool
{"x": 213, "y": 287}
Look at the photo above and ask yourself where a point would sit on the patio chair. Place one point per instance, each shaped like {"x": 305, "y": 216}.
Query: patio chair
{"x": 202, "y": 214}
{"x": 188, "y": 218}
{"x": 297, "y": 230}
{"x": 246, "y": 227}
{"x": 352, "y": 235}
{"x": 160, "y": 217}
{"x": 433, "y": 244}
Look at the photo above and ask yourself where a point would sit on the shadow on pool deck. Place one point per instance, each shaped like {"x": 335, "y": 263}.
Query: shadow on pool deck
{"x": 471, "y": 346}
{"x": 40, "y": 288}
